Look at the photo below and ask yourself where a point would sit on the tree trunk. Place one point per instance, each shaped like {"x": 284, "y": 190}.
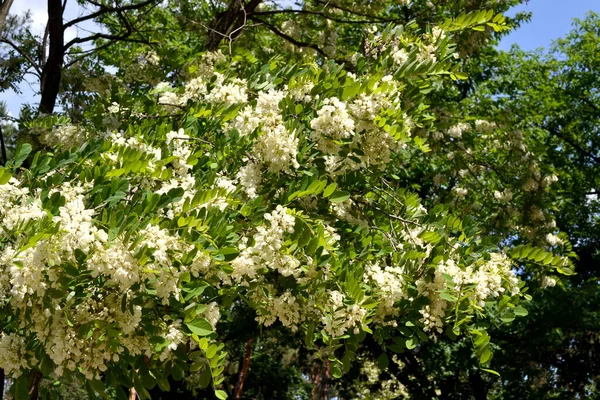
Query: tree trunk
{"x": 34, "y": 385}
{"x": 239, "y": 386}
{"x": 325, "y": 381}
{"x": 4, "y": 8}
{"x": 229, "y": 23}
{"x": 316, "y": 378}
{"x": 2, "y": 384}
{"x": 478, "y": 386}
{"x": 52, "y": 70}
{"x": 2, "y": 163}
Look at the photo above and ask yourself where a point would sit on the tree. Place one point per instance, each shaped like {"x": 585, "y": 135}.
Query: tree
{"x": 45, "y": 56}
{"x": 552, "y": 97}
{"x": 280, "y": 196}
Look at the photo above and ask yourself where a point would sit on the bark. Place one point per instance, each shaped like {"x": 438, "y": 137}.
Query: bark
{"x": 239, "y": 386}
{"x": 325, "y": 381}
{"x": 2, "y": 163}
{"x": 316, "y": 378}
{"x": 4, "y": 8}
{"x": 2, "y": 376}
{"x": 229, "y": 24}
{"x": 34, "y": 385}
{"x": 132, "y": 394}
{"x": 478, "y": 386}
{"x": 52, "y": 71}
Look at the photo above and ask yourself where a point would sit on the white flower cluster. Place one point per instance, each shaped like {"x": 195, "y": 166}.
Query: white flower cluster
{"x": 179, "y": 143}
{"x": 345, "y": 211}
{"x": 339, "y": 317}
{"x": 28, "y": 270}
{"x": 64, "y": 136}
{"x": 456, "y": 131}
{"x": 285, "y": 308}
{"x": 505, "y": 196}
{"x": 267, "y": 250}
{"x": 275, "y": 146}
{"x": 17, "y": 206}
{"x": 548, "y": 281}
{"x": 333, "y": 122}
{"x": 389, "y": 389}
{"x": 12, "y": 354}
{"x": 229, "y": 92}
{"x": 250, "y": 177}
{"x": 488, "y": 279}
{"x": 120, "y": 141}
{"x": 553, "y": 240}
{"x": 212, "y": 314}
{"x": 400, "y": 56}
{"x": 389, "y": 283}
{"x": 174, "y": 337}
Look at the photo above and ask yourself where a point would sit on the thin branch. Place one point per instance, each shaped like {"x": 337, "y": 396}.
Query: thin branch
{"x": 575, "y": 145}
{"x": 350, "y": 11}
{"x": 289, "y": 38}
{"x": 123, "y": 37}
{"x": 104, "y": 9}
{"x": 24, "y": 55}
{"x": 344, "y": 21}
{"x": 406, "y": 221}
{"x": 194, "y": 139}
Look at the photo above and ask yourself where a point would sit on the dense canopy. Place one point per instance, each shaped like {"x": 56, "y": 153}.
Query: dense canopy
{"x": 323, "y": 199}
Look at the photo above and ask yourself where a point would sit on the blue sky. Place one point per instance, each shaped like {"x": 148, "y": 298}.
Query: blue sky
{"x": 551, "y": 20}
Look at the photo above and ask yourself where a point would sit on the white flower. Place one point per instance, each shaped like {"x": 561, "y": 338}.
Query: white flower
{"x": 64, "y": 136}
{"x": 460, "y": 192}
{"x": 456, "y": 131}
{"x": 504, "y": 196}
{"x": 548, "y": 281}
{"x": 400, "y": 56}
{"x": 332, "y": 123}
{"x": 553, "y": 240}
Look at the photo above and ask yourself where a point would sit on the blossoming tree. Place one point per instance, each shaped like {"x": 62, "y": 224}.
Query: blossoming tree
{"x": 283, "y": 188}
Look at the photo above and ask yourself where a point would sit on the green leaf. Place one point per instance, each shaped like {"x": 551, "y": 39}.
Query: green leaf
{"x": 336, "y": 371}
{"x": 486, "y": 354}
{"x": 21, "y": 153}
{"x": 211, "y": 351}
{"x": 329, "y": 189}
{"x": 221, "y": 394}
{"x": 339, "y": 196}
{"x": 383, "y": 361}
{"x": 491, "y": 371}
{"x": 229, "y": 253}
{"x": 508, "y": 317}
{"x": 205, "y": 377}
{"x": 448, "y": 297}
{"x": 520, "y": 311}
{"x": 565, "y": 270}
{"x": 4, "y": 176}
{"x": 411, "y": 343}
{"x": 200, "y": 327}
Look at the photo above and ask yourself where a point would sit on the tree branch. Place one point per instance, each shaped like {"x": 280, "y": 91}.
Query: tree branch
{"x": 239, "y": 386}
{"x": 24, "y": 55}
{"x": 344, "y": 21}
{"x": 574, "y": 144}
{"x": 123, "y": 37}
{"x": 4, "y": 8}
{"x": 289, "y": 38}
{"x": 328, "y": 3}
{"x": 104, "y": 9}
